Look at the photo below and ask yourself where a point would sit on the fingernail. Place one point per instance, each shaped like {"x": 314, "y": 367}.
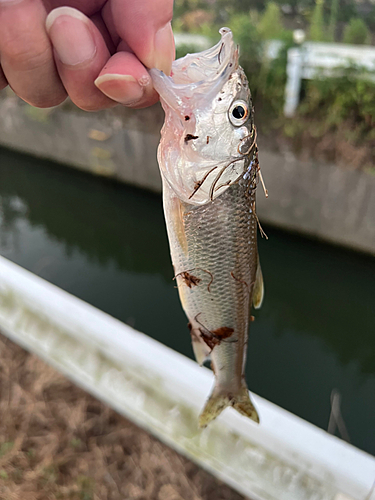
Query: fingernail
{"x": 121, "y": 88}
{"x": 164, "y": 49}
{"x": 70, "y": 36}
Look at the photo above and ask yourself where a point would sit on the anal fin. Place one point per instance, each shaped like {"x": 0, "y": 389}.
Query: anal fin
{"x": 201, "y": 350}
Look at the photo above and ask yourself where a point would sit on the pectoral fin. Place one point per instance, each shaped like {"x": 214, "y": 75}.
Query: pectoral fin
{"x": 258, "y": 293}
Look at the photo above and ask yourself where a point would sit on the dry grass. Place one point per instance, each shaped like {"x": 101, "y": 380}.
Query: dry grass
{"x": 58, "y": 442}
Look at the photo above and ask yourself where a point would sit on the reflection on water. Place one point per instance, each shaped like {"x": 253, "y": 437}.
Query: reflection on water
{"x": 107, "y": 244}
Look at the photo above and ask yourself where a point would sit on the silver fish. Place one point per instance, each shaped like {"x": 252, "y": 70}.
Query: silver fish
{"x": 209, "y": 165}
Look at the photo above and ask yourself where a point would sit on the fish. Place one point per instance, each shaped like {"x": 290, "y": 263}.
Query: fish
{"x": 208, "y": 159}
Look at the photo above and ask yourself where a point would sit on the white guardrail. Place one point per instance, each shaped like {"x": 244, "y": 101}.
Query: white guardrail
{"x": 284, "y": 458}
{"x": 315, "y": 59}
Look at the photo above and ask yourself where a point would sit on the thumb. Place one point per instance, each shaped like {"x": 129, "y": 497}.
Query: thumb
{"x": 145, "y": 25}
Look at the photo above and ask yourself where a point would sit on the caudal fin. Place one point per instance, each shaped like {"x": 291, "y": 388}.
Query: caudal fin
{"x": 220, "y": 399}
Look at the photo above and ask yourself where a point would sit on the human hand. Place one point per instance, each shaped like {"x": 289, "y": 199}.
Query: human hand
{"x": 95, "y": 51}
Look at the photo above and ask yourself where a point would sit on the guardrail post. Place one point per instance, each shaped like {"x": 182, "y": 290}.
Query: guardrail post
{"x": 293, "y": 82}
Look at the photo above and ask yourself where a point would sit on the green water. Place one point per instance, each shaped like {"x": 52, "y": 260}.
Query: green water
{"x": 107, "y": 244}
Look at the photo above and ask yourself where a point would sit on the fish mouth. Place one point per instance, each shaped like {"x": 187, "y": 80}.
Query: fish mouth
{"x": 207, "y": 65}
{"x": 200, "y": 75}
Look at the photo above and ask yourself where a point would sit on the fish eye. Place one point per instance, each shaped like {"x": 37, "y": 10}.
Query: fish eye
{"x": 238, "y": 113}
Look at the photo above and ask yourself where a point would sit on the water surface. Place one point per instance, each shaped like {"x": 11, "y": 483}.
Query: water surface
{"x": 106, "y": 243}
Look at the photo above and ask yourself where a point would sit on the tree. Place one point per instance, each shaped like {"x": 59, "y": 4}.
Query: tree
{"x": 356, "y": 32}
{"x": 247, "y": 36}
{"x": 317, "y": 28}
{"x": 333, "y": 20}
{"x": 270, "y": 25}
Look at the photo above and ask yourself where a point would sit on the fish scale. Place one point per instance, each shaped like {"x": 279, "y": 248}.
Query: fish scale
{"x": 221, "y": 239}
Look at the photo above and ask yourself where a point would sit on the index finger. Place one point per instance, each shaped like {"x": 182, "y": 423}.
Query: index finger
{"x": 145, "y": 25}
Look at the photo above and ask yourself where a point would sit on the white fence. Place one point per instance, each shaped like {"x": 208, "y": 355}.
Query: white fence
{"x": 315, "y": 59}
{"x": 284, "y": 458}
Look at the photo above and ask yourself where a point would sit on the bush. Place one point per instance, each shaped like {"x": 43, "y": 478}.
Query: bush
{"x": 247, "y": 36}
{"x": 270, "y": 25}
{"x": 183, "y": 49}
{"x": 336, "y": 121}
{"x": 356, "y": 32}
{"x": 333, "y": 20}
{"x": 333, "y": 101}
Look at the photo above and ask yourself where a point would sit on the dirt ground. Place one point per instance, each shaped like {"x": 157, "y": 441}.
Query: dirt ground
{"x": 58, "y": 442}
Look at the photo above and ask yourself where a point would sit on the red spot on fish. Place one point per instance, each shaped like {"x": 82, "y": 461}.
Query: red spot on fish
{"x": 190, "y": 137}
{"x": 214, "y": 337}
{"x": 189, "y": 279}
{"x": 223, "y": 333}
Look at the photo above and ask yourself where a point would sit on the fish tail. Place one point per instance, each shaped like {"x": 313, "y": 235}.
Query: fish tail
{"x": 221, "y": 398}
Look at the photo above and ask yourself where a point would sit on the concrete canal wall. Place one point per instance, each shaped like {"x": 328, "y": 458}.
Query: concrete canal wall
{"x": 320, "y": 200}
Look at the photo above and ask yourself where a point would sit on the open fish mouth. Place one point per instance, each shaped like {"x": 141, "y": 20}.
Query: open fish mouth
{"x": 200, "y": 74}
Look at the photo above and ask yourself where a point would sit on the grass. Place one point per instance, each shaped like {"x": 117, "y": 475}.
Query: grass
{"x": 58, "y": 442}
